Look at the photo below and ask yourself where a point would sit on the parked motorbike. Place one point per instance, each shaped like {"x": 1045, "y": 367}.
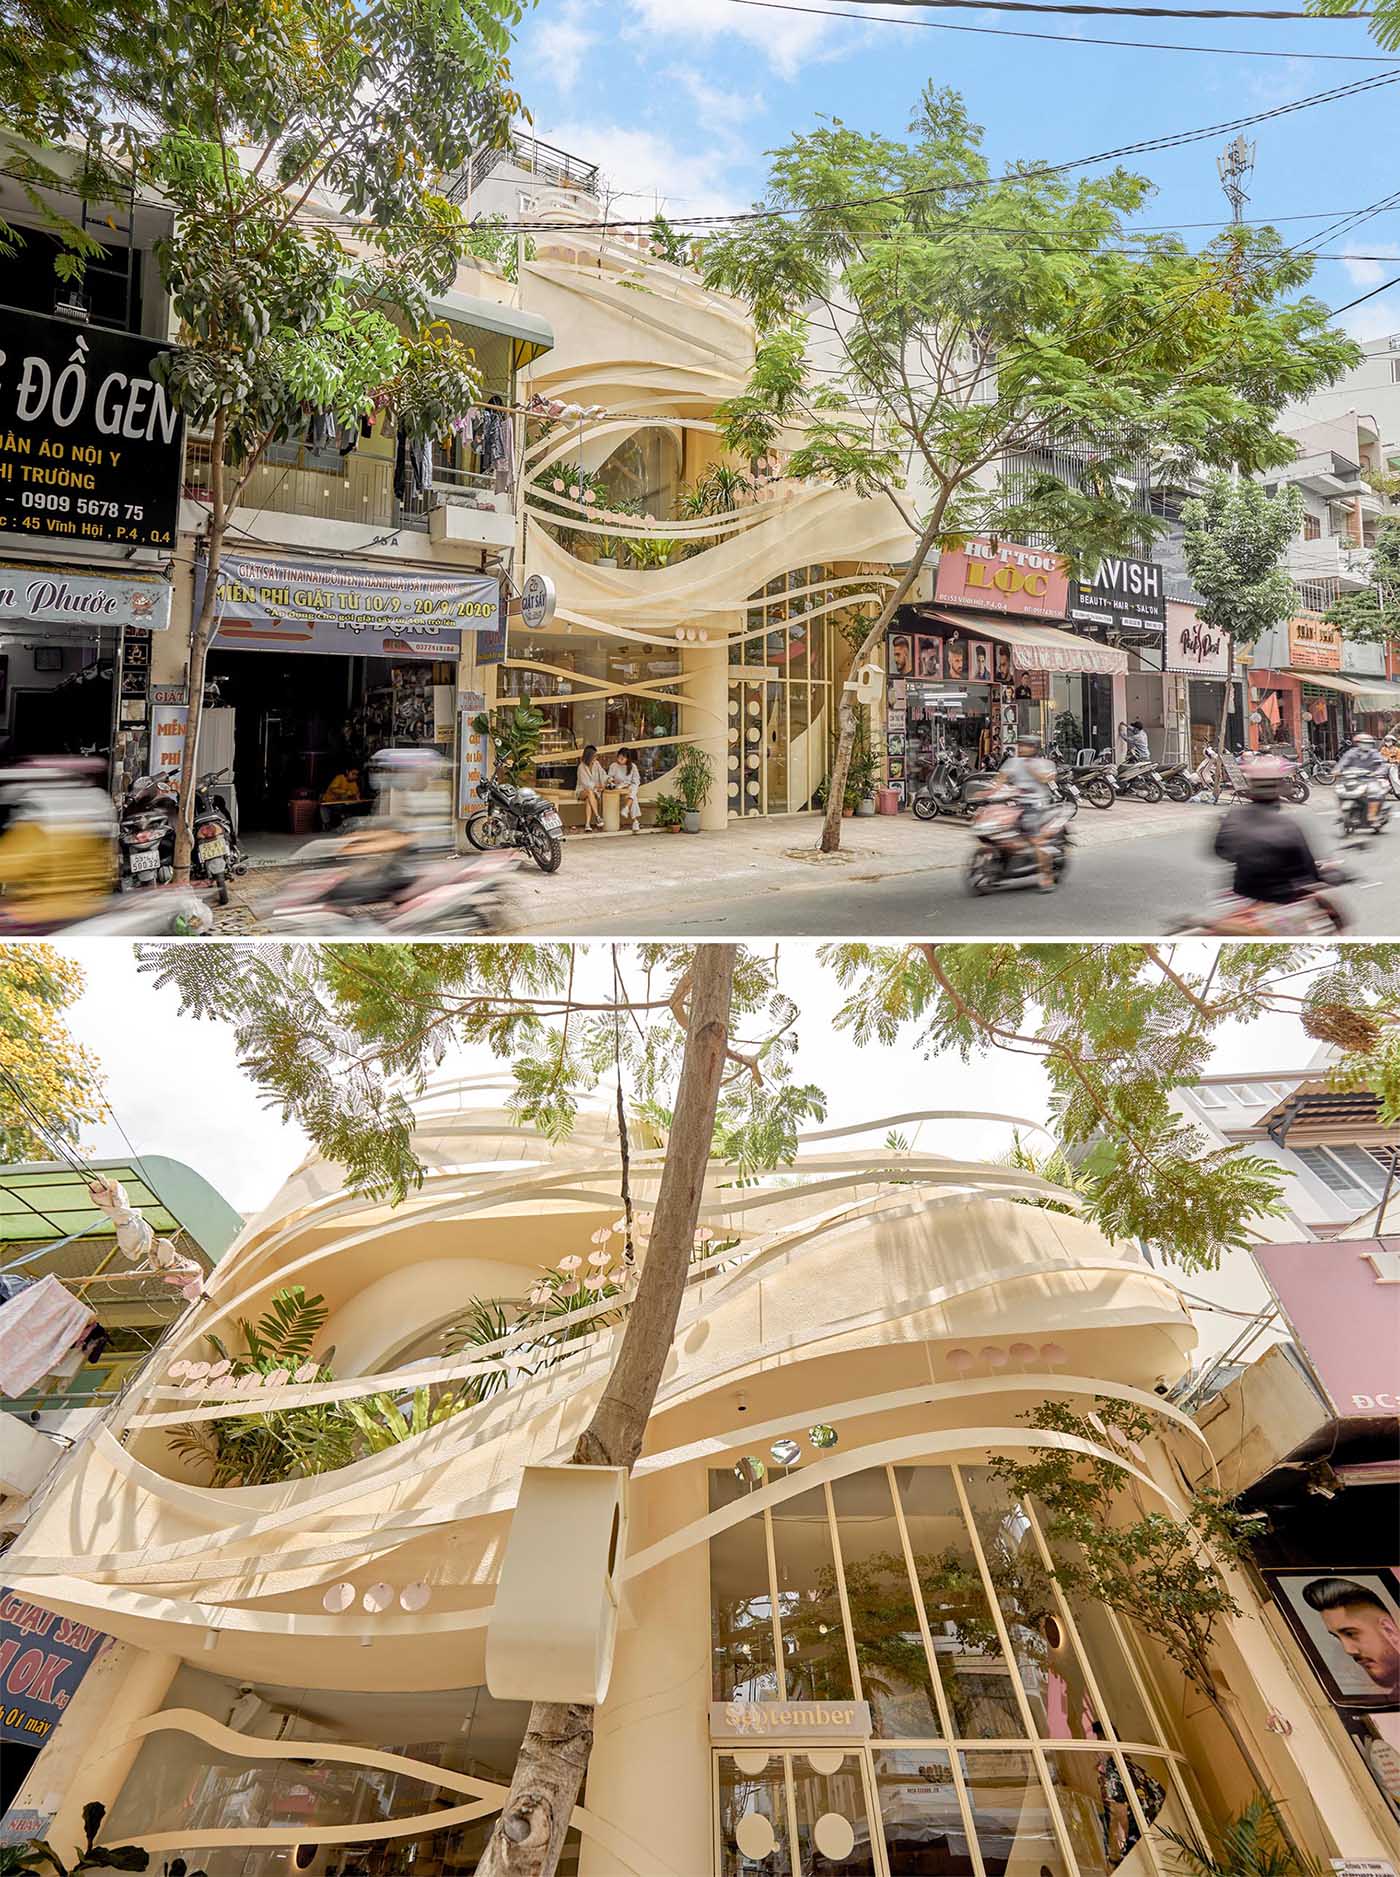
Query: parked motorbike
{"x": 1313, "y": 915}
{"x": 1004, "y": 858}
{"x": 1179, "y": 782}
{"x": 217, "y": 853}
{"x": 1363, "y": 802}
{"x": 516, "y": 817}
{"x": 1139, "y": 779}
{"x": 392, "y": 893}
{"x": 147, "y": 830}
{"x": 953, "y": 787}
{"x": 1094, "y": 782}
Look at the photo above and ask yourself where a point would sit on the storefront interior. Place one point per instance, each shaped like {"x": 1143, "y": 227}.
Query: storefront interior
{"x": 56, "y": 690}
{"x": 301, "y": 720}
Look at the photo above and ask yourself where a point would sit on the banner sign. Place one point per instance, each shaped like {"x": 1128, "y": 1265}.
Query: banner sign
{"x": 90, "y": 444}
{"x": 170, "y": 723}
{"x": 1004, "y": 578}
{"x": 22, "y": 1825}
{"x": 347, "y": 607}
{"x": 1313, "y": 645}
{"x": 790, "y": 1720}
{"x": 1342, "y": 1301}
{"x": 54, "y": 596}
{"x": 43, "y": 1657}
{"x": 471, "y": 753}
{"x": 1122, "y": 593}
{"x": 1200, "y": 651}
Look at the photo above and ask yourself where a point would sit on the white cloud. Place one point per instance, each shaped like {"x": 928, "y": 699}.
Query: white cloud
{"x": 716, "y": 109}
{"x": 787, "y": 40}
{"x": 1371, "y": 273}
{"x": 1376, "y": 320}
{"x": 562, "y": 43}
{"x": 644, "y": 168}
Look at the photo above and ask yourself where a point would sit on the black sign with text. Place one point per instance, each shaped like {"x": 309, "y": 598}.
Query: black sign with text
{"x": 89, "y": 442}
{"x": 1122, "y": 593}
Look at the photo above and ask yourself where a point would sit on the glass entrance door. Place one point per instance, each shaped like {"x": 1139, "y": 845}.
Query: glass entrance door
{"x": 804, "y": 1812}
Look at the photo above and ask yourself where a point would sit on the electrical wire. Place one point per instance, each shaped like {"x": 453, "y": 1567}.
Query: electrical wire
{"x": 1063, "y": 39}
{"x": 1361, "y": 299}
{"x": 1130, "y": 12}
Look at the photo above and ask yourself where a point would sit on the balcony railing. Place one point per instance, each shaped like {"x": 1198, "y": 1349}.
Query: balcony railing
{"x": 1329, "y": 557}
{"x": 294, "y": 480}
{"x": 551, "y": 165}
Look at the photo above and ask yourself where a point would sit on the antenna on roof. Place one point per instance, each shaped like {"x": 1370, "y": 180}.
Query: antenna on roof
{"x": 1235, "y": 165}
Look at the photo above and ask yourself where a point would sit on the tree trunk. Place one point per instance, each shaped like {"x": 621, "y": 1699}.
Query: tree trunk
{"x": 1224, "y": 724}
{"x": 1221, "y": 1703}
{"x": 846, "y": 711}
{"x": 529, "y": 1834}
{"x": 201, "y": 630}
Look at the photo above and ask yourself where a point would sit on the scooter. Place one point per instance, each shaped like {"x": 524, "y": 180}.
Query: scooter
{"x": 1363, "y": 801}
{"x": 217, "y": 853}
{"x": 1095, "y": 783}
{"x": 1139, "y": 779}
{"x": 516, "y": 817}
{"x": 1315, "y": 914}
{"x": 395, "y": 895}
{"x": 1004, "y": 858}
{"x": 146, "y": 832}
{"x": 953, "y": 788}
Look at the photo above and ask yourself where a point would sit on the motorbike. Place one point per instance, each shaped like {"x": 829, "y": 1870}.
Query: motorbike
{"x": 1313, "y": 915}
{"x": 517, "y": 817}
{"x": 1363, "y": 801}
{"x": 392, "y": 894}
{"x": 1213, "y": 779}
{"x": 1003, "y": 859}
{"x": 1094, "y": 782}
{"x": 953, "y": 788}
{"x": 1139, "y": 779}
{"x": 217, "y": 853}
{"x": 1179, "y": 782}
{"x": 146, "y": 832}
{"x": 1298, "y": 790}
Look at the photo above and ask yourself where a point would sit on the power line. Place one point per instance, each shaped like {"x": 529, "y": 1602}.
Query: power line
{"x": 1361, "y": 299}
{"x": 1139, "y": 13}
{"x": 1062, "y": 39}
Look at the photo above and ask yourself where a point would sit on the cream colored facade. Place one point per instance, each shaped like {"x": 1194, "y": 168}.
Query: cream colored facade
{"x": 891, "y": 1322}
{"x": 735, "y": 645}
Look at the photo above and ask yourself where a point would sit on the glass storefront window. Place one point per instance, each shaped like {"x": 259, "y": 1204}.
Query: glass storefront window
{"x": 1079, "y": 1782}
{"x": 1010, "y": 1814}
{"x": 741, "y": 1610}
{"x": 1127, "y": 1713}
{"x": 833, "y": 1820}
{"x": 920, "y": 1815}
{"x": 753, "y": 1822}
{"x": 1027, "y": 1600}
{"x": 976, "y": 1679}
{"x": 889, "y": 1644}
{"x": 815, "y": 1663}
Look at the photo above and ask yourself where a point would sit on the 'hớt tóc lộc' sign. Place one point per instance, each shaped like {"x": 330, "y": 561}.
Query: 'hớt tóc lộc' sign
{"x": 90, "y": 441}
{"x": 1004, "y": 577}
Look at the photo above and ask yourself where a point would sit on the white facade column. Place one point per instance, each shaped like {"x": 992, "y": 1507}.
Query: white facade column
{"x": 92, "y": 1751}
{"x": 650, "y": 1767}
{"x": 704, "y": 718}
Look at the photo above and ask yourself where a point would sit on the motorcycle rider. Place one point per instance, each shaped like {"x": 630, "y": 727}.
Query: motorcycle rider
{"x": 1027, "y": 777}
{"x": 58, "y": 850}
{"x": 1267, "y": 848}
{"x": 1363, "y": 757}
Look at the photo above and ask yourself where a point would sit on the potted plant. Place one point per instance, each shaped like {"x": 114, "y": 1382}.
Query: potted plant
{"x": 694, "y": 780}
{"x": 864, "y": 771}
{"x": 670, "y": 811}
{"x": 515, "y": 732}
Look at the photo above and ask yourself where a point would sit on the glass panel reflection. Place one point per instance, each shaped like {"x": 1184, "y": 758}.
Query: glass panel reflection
{"x": 753, "y": 1825}
{"x": 1011, "y": 1815}
{"x": 1078, "y": 1780}
{"x": 922, "y": 1822}
{"x": 1127, "y": 1715}
{"x": 976, "y": 1677}
{"x": 1158, "y": 1801}
{"x": 815, "y": 1662}
{"x": 1027, "y": 1602}
{"x": 890, "y": 1653}
{"x": 833, "y": 1822}
{"x": 741, "y": 1611}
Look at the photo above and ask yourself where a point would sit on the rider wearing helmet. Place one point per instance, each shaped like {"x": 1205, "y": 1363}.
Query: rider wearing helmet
{"x": 1363, "y": 757}
{"x": 1267, "y": 848}
{"x": 1026, "y": 776}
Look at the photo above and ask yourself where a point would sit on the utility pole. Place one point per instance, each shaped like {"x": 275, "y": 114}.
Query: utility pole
{"x": 1235, "y": 165}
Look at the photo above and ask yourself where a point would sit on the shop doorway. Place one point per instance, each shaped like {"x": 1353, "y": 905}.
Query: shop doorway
{"x": 301, "y": 720}
{"x": 60, "y": 697}
{"x": 796, "y": 1813}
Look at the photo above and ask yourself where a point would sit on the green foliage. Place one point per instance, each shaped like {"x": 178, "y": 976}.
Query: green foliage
{"x": 1235, "y": 536}
{"x": 716, "y": 491}
{"x": 694, "y": 776}
{"x": 39, "y": 1859}
{"x": 1252, "y": 1843}
{"x": 488, "y": 239}
{"x": 667, "y": 244}
{"x": 1385, "y": 19}
{"x": 669, "y": 811}
{"x": 1373, "y": 615}
{"x": 515, "y": 732}
{"x": 60, "y": 1081}
{"x": 1162, "y": 1573}
{"x": 864, "y": 771}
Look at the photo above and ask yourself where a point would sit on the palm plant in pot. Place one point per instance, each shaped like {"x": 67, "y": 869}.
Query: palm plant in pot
{"x": 670, "y": 813}
{"x": 694, "y": 779}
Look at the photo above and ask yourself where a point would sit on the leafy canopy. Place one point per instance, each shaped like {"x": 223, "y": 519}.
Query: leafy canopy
{"x": 1373, "y": 614}
{"x": 1235, "y": 535}
{"x": 58, "y": 1079}
{"x": 967, "y": 315}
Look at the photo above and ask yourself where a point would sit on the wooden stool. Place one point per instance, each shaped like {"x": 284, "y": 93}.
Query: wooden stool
{"x": 612, "y": 811}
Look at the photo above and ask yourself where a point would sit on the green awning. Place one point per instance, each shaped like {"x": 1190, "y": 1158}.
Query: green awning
{"x": 41, "y": 1201}
{"x": 530, "y": 335}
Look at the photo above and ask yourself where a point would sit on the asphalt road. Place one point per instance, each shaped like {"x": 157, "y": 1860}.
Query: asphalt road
{"x": 1129, "y": 889}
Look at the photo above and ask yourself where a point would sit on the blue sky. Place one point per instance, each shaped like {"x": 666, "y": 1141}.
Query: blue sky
{"x": 680, "y": 98}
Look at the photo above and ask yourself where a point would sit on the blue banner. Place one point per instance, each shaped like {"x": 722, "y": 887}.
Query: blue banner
{"x": 43, "y": 1657}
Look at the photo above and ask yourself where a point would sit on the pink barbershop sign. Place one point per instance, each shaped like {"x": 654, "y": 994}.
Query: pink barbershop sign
{"x": 1342, "y": 1301}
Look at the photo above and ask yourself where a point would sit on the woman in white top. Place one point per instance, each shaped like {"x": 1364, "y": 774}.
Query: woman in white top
{"x": 590, "y": 782}
{"x": 626, "y": 776}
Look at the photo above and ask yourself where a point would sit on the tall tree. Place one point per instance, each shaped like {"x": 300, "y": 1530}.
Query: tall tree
{"x": 302, "y": 146}
{"x": 1373, "y": 615}
{"x": 49, "y": 1084}
{"x": 1385, "y": 18}
{"x": 1235, "y": 536}
{"x": 990, "y": 331}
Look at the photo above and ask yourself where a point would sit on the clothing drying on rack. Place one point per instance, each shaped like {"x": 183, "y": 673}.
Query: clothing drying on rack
{"x": 37, "y": 1330}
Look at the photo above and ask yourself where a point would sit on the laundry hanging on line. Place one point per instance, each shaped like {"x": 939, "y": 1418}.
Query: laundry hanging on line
{"x": 37, "y": 1330}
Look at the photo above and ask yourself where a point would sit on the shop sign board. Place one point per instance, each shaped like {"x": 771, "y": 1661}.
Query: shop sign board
{"x": 790, "y": 1720}
{"x": 46, "y": 595}
{"x": 347, "y": 607}
{"x": 90, "y": 442}
{"x": 1004, "y": 577}
{"x": 1342, "y": 1301}
{"x": 22, "y": 1825}
{"x": 1191, "y": 647}
{"x": 538, "y": 600}
{"x": 43, "y": 1657}
{"x": 1362, "y": 1867}
{"x": 1313, "y": 645}
{"x": 170, "y": 722}
{"x": 1121, "y": 593}
{"x": 471, "y": 753}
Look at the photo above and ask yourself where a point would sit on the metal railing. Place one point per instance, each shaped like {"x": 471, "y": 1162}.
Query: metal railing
{"x": 552, "y": 165}
{"x": 294, "y": 480}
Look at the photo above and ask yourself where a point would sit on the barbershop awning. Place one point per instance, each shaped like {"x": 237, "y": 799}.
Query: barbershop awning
{"x": 1367, "y": 693}
{"x": 1038, "y": 647}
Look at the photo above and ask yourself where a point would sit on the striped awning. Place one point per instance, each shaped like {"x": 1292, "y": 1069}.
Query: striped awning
{"x": 1035, "y": 646}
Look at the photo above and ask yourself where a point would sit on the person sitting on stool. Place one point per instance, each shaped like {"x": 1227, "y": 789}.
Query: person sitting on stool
{"x": 589, "y": 784}
{"x": 625, "y": 775}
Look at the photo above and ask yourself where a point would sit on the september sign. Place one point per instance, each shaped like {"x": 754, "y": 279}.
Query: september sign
{"x": 89, "y": 442}
{"x": 275, "y": 605}
{"x": 43, "y": 1657}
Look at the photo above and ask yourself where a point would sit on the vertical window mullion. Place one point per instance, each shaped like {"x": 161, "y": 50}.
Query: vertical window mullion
{"x": 994, "y": 1604}
{"x": 790, "y": 1795}
{"x": 939, "y": 1695}
{"x": 838, "y": 1565}
{"x": 771, "y": 1553}
{"x": 1106, "y": 1719}
{"x": 1052, "y": 1800}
